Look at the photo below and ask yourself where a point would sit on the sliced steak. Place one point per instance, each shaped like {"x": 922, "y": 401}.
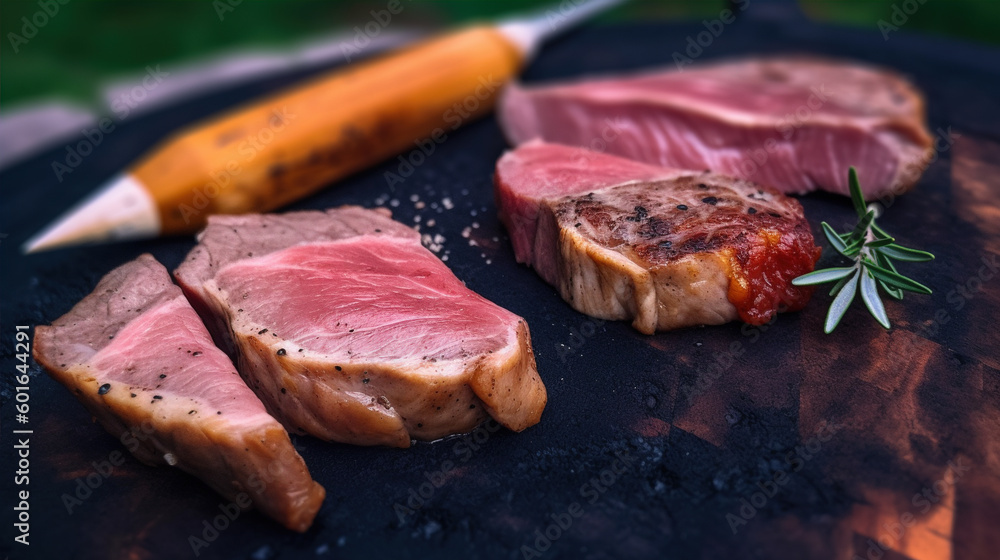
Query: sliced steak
{"x": 795, "y": 124}
{"x": 138, "y": 357}
{"x": 665, "y": 248}
{"x": 350, "y": 330}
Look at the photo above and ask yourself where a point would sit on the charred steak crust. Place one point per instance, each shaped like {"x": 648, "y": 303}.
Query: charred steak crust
{"x": 695, "y": 248}
{"x": 358, "y": 334}
{"x": 138, "y": 357}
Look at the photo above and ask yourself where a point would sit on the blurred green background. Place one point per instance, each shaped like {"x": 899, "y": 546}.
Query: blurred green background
{"x": 89, "y": 41}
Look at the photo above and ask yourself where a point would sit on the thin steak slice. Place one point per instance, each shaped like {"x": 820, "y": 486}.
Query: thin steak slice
{"x": 665, "y": 248}
{"x": 350, "y": 330}
{"x": 792, "y": 123}
{"x": 138, "y": 357}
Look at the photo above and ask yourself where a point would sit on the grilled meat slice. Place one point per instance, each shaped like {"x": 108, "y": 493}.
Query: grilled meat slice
{"x": 661, "y": 247}
{"x": 792, "y": 123}
{"x": 350, "y": 330}
{"x": 138, "y": 357}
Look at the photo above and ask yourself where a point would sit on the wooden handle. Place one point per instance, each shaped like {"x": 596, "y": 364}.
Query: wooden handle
{"x": 271, "y": 153}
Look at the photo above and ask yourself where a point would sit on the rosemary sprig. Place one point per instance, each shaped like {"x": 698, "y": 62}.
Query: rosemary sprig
{"x": 873, "y": 252}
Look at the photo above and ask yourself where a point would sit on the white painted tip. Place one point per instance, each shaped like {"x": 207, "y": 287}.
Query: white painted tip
{"x": 528, "y": 33}
{"x": 119, "y": 211}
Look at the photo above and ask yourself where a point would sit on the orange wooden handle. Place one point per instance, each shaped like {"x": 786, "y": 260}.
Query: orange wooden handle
{"x": 270, "y": 153}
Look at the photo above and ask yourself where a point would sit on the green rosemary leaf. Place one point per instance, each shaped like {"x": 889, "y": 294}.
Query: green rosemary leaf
{"x": 823, "y": 276}
{"x": 853, "y": 248}
{"x": 880, "y": 242}
{"x": 895, "y": 279}
{"x": 886, "y": 263}
{"x": 869, "y": 293}
{"x": 841, "y": 303}
{"x": 878, "y": 231}
{"x": 872, "y": 251}
{"x": 893, "y": 292}
{"x": 905, "y": 254}
{"x": 861, "y": 230}
{"x": 839, "y": 285}
{"x": 857, "y": 197}
{"x": 833, "y": 238}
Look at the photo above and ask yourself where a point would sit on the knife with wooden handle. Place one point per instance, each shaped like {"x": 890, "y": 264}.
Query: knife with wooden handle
{"x": 282, "y": 148}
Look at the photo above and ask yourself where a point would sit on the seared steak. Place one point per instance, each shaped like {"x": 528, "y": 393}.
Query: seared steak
{"x": 350, "y": 330}
{"x": 139, "y": 358}
{"x": 665, "y": 248}
{"x": 795, "y": 124}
